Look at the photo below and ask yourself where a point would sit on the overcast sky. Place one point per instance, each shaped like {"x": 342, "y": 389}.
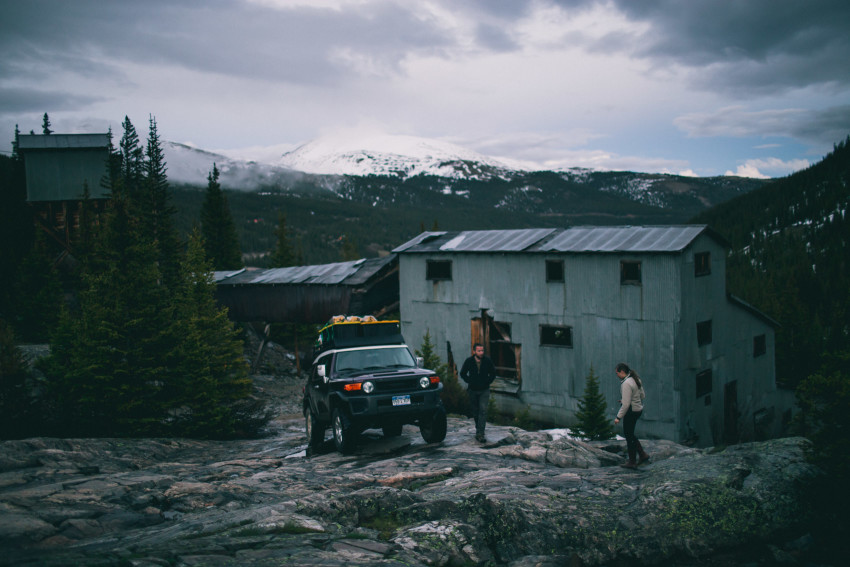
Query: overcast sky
{"x": 700, "y": 87}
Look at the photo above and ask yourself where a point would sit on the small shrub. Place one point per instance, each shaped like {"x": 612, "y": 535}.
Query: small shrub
{"x": 454, "y": 396}
{"x": 592, "y": 423}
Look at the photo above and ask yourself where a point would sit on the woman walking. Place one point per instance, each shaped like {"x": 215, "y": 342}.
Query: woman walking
{"x": 631, "y": 406}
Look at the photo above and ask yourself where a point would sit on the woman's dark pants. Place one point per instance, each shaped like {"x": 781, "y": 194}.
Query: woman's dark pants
{"x": 632, "y": 443}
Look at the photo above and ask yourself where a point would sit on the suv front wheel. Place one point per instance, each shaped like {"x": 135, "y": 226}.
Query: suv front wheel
{"x": 315, "y": 431}
{"x": 344, "y": 434}
{"x": 433, "y": 428}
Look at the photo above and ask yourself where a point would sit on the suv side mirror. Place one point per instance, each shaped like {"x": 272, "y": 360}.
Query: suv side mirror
{"x": 419, "y": 361}
{"x": 320, "y": 370}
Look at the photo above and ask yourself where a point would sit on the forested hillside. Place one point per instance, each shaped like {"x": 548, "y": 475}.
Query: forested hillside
{"x": 790, "y": 257}
{"x": 379, "y": 212}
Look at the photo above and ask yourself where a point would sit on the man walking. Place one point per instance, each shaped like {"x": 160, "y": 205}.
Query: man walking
{"x": 478, "y": 372}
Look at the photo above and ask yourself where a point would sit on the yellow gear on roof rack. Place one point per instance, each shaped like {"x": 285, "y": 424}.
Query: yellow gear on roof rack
{"x": 352, "y": 330}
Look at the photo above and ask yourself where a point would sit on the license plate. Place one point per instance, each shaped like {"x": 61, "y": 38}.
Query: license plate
{"x": 401, "y": 400}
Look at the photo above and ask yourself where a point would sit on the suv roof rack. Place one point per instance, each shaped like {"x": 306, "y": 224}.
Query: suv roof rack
{"x": 343, "y": 331}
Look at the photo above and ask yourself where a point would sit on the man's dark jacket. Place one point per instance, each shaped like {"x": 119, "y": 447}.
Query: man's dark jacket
{"x": 478, "y": 379}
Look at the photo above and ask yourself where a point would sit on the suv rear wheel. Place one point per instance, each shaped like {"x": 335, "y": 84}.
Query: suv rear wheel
{"x": 433, "y": 428}
{"x": 344, "y": 434}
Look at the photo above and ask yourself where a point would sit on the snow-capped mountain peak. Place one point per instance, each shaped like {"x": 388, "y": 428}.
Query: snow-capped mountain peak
{"x": 383, "y": 154}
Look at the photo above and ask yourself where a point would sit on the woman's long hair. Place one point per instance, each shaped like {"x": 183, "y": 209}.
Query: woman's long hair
{"x": 623, "y": 367}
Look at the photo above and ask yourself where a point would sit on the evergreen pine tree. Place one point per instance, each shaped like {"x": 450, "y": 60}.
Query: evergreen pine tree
{"x": 15, "y": 142}
{"x": 155, "y": 211}
{"x": 17, "y": 232}
{"x": 211, "y": 374}
{"x": 132, "y": 160}
{"x": 108, "y": 365}
{"x": 220, "y": 240}
{"x": 349, "y": 249}
{"x": 282, "y": 256}
{"x": 45, "y": 125}
{"x": 592, "y": 423}
{"x": 17, "y": 415}
{"x": 37, "y": 293}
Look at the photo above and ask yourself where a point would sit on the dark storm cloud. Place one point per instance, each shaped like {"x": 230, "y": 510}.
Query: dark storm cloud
{"x": 16, "y": 100}
{"x": 751, "y": 44}
{"x": 219, "y": 36}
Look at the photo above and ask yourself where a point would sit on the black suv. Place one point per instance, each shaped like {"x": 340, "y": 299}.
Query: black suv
{"x": 363, "y": 376}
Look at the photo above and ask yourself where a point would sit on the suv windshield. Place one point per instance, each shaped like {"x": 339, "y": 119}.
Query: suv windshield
{"x": 348, "y": 362}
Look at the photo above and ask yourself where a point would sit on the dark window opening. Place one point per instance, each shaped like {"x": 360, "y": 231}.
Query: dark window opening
{"x": 438, "y": 270}
{"x": 704, "y": 333}
{"x": 551, "y": 335}
{"x": 630, "y": 272}
{"x": 759, "y": 345}
{"x": 703, "y": 383}
{"x": 554, "y": 270}
{"x": 702, "y": 263}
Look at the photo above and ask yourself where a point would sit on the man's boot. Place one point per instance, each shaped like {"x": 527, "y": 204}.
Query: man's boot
{"x": 630, "y": 464}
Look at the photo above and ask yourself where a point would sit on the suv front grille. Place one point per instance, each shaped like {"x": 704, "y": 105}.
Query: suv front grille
{"x": 403, "y": 385}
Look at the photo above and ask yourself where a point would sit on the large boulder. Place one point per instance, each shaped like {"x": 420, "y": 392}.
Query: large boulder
{"x": 523, "y": 498}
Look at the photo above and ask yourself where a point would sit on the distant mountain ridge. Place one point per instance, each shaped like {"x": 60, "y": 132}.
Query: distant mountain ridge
{"x": 385, "y": 170}
{"x": 402, "y": 156}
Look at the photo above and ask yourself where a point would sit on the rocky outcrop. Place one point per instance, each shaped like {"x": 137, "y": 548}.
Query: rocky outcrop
{"x": 522, "y": 499}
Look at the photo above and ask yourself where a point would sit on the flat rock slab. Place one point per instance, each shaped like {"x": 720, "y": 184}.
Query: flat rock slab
{"x": 522, "y": 498}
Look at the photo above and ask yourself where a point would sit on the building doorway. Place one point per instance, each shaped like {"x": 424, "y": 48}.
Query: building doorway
{"x": 499, "y": 346}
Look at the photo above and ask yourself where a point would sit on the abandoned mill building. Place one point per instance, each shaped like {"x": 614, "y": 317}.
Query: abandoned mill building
{"x": 549, "y": 304}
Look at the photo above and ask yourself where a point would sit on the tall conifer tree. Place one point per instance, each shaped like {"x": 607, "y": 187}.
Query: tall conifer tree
{"x": 156, "y": 212}
{"x": 220, "y": 240}
{"x": 132, "y": 160}
{"x": 282, "y": 256}
{"x": 45, "y": 125}
{"x": 212, "y": 375}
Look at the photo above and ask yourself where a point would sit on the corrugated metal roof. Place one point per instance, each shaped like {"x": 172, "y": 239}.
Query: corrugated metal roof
{"x": 495, "y": 240}
{"x": 62, "y": 141}
{"x": 423, "y": 237}
{"x": 623, "y": 239}
{"x": 347, "y": 273}
{"x": 575, "y": 239}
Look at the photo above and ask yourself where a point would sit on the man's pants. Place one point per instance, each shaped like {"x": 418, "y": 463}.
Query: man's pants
{"x": 478, "y": 401}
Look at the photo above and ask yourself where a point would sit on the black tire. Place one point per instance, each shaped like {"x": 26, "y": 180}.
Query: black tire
{"x": 315, "y": 429}
{"x": 433, "y": 428}
{"x": 344, "y": 434}
{"x": 392, "y": 429}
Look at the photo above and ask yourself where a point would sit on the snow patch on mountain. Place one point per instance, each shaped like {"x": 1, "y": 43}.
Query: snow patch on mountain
{"x": 383, "y": 154}
{"x": 191, "y": 165}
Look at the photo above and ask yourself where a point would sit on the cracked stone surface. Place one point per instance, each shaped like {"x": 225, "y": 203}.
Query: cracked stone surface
{"x": 521, "y": 499}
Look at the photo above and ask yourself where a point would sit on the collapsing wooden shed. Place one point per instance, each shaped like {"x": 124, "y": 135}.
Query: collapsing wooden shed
{"x": 310, "y": 294}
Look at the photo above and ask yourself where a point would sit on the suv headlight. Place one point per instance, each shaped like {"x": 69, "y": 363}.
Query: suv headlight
{"x": 424, "y": 382}
{"x": 368, "y": 387}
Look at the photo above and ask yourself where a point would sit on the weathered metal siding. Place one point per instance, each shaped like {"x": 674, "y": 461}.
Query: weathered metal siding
{"x": 58, "y": 166}
{"x": 705, "y": 300}
{"x": 290, "y": 303}
{"x": 611, "y": 322}
{"x": 652, "y": 326}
